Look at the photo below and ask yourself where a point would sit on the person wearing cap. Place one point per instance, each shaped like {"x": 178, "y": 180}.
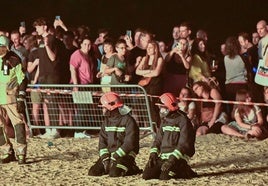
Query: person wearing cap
{"x": 12, "y": 96}
{"x": 118, "y": 140}
{"x": 173, "y": 145}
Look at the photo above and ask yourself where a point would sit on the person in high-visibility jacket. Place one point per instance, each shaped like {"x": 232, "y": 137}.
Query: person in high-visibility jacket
{"x": 173, "y": 145}
{"x": 118, "y": 140}
{"x": 12, "y": 103}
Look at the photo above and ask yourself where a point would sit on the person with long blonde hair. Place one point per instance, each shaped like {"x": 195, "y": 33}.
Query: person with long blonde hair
{"x": 150, "y": 68}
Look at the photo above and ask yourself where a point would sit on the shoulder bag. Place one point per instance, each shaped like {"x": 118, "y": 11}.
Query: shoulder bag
{"x": 261, "y": 76}
{"x": 144, "y": 81}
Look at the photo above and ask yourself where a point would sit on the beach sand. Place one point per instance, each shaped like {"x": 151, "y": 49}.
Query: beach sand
{"x": 219, "y": 160}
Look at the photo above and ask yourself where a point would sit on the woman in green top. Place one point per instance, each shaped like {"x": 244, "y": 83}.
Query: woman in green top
{"x": 199, "y": 70}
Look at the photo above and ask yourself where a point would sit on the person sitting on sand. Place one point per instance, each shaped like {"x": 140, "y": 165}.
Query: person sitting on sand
{"x": 189, "y": 107}
{"x": 248, "y": 118}
{"x": 211, "y": 115}
{"x": 118, "y": 140}
{"x": 173, "y": 145}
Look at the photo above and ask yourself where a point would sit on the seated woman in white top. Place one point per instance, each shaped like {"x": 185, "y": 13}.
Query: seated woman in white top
{"x": 248, "y": 118}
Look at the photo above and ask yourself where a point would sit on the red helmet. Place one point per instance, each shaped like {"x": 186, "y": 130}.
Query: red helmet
{"x": 169, "y": 101}
{"x": 111, "y": 101}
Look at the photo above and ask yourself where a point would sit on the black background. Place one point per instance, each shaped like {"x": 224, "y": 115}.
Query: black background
{"x": 219, "y": 18}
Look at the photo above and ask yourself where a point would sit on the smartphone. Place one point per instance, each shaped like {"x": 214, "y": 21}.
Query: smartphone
{"x": 178, "y": 45}
{"x": 22, "y": 23}
{"x": 213, "y": 64}
{"x": 129, "y": 33}
{"x": 57, "y": 17}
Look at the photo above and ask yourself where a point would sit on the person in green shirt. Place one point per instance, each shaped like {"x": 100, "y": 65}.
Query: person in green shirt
{"x": 117, "y": 66}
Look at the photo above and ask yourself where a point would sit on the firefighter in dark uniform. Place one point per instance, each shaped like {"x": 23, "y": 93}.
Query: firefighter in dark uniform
{"x": 118, "y": 140}
{"x": 12, "y": 96}
{"x": 173, "y": 145}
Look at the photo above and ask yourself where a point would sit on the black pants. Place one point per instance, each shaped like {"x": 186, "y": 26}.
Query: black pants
{"x": 180, "y": 169}
{"x": 117, "y": 169}
{"x": 216, "y": 128}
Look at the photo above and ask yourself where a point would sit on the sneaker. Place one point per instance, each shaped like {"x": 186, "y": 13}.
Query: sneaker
{"x": 54, "y": 135}
{"x": 45, "y": 135}
{"x": 81, "y": 135}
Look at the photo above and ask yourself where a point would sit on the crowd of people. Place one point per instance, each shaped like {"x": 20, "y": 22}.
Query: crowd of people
{"x": 184, "y": 68}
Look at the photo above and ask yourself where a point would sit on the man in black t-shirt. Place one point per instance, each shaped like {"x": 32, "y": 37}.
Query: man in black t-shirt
{"x": 138, "y": 51}
{"x": 48, "y": 71}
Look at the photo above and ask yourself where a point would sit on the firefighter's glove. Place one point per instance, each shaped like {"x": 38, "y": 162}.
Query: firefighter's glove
{"x": 106, "y": 164}
{"x": 152, "y": 160}
{"x": 113, "y": 160}
{"x": 21, "y": 103}
{"x": 167, "y": 165}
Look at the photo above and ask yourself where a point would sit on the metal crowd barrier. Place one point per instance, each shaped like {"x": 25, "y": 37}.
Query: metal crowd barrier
{"x": 69, "y": 109}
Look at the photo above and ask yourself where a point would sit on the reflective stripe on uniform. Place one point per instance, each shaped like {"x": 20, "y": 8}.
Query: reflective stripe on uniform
{"x": 120, "y": 166}
{"x": 104, "y": 151}
{"x": 115, "y": 129}
{"x": 154, "y": 150}
{"x": 132, "y": 154}
{"x": 165, "y": 156}
{"x": 120, "y": 152}
{"x": 170, "y": 128}
{"x": 171, "y": 173}
{"x": 179, "y": 155}
{"x": 175, "y": 153}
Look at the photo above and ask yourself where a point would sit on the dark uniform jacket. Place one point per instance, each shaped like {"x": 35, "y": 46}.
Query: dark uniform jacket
{"x": 175, "y": 137}
{"x": 119, "y": 134}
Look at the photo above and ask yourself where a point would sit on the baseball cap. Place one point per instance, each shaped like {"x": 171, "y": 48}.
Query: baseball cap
{"x": 4, "y": 41}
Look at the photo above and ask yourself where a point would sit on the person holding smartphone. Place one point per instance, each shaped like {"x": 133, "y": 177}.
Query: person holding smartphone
{"x": 177, "y": 65}
{"x": 59, "y": 22}
{"x": 48, "y": 72}
{"x": 22, "y": 28}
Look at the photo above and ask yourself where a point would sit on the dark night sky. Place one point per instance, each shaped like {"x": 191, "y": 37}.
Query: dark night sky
{"x": 219, "y": 18}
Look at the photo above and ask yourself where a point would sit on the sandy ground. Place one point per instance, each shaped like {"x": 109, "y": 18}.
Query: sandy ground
{"x": 219, "y": 160}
